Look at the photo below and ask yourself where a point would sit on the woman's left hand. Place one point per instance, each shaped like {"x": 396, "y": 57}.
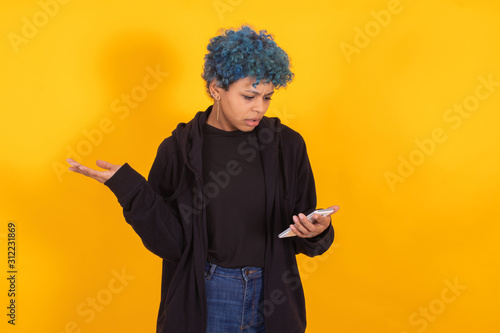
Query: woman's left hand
{"x": 304, "y": 228}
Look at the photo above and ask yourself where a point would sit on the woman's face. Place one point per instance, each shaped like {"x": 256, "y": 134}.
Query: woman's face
{"x": 242, "y": 106}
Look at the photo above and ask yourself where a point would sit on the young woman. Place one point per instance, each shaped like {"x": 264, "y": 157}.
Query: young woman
{"x": 222, "y": 188}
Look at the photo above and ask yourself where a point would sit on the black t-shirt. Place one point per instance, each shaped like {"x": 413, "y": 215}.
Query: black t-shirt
{"x": 235, "y": 190}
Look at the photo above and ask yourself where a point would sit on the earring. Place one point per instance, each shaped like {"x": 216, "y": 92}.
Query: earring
{"x": 218, "y": 109}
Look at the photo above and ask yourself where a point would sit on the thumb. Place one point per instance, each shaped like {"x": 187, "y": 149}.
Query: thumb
{"x": 104, "y": 164}
{"x": 335, "y": 208}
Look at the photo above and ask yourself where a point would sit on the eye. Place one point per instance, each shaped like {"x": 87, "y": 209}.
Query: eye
{"x": 248, "y": 97}
{"x": 268, "y": 98}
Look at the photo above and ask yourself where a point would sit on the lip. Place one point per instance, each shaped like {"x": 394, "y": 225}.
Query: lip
{"x": 253, "y": 122}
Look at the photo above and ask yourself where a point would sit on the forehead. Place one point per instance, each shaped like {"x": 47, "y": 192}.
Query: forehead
{"x": 247, "y": 83}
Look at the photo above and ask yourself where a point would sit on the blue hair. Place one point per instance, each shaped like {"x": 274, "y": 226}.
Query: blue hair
{"x": 237, "y": 54}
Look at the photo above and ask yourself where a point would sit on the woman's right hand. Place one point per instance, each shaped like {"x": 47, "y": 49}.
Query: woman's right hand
{"x": 100, "y": 176}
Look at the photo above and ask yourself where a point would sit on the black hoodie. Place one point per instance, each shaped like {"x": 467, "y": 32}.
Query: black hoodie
{"x": 167, "y": 212}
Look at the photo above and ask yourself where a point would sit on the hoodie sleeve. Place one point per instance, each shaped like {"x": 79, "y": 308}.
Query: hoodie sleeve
{"x": 151, "y": 215}
{"x": 305, "y": 202}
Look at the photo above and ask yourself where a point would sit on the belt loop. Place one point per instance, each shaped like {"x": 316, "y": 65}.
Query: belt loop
{"x": 244, "y": 274}
{"x": 211, "y": 271}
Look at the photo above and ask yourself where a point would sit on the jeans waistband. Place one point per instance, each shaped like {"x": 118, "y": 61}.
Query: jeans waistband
{"x": 246, "y": 273}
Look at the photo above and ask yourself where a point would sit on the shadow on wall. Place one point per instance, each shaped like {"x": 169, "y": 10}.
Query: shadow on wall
{"x": 135, "y": 68}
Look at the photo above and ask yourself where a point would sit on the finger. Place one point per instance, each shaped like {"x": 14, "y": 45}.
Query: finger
{"x": 303, "y": 225}
{"x": 94, "y": 174}
{"x": 72, "y": 162}
{"x": 75, "y": 169}
{"x": 308, "y": 225}
{"x": 302, "y": 233}
{"x": 321, "y": 220}
{"x": 104, "y": 164}
{"x": 86, "y": 171}
{"x": 335, "y": 209}
{"x": 297, "y": 232}
{"x": 325, "y": 219}
{"x": 75, "y": 166}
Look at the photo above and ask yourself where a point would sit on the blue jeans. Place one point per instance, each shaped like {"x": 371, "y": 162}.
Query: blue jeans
{"x": 233, "y": 299}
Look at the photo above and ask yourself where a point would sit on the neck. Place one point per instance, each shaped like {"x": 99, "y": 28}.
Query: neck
{"x": 218, "y": 123}
{"x": 212, "y": 118}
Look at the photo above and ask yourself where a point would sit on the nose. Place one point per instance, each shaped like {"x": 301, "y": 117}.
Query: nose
{"x": 260, "y": 105}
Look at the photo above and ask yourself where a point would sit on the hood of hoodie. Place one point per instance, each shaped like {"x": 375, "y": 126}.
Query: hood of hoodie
{"x": 190, "y": 138}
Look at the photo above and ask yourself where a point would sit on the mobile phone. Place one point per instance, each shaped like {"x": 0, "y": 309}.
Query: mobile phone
{"x": 323, "y": 212}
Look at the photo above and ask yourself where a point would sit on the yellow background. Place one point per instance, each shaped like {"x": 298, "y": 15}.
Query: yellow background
{"x": 398, "y": 247}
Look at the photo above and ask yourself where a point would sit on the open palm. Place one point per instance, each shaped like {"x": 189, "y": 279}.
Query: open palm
{"x": 99, "y": 175}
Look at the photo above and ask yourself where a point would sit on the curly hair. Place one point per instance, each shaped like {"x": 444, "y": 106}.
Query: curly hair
{"x": 237, "y": 54}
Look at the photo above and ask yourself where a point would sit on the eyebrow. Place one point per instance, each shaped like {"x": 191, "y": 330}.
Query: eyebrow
{"x": 257, "y": 93}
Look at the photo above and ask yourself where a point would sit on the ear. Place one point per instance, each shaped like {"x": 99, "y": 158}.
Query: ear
{"x": 215, "y": 90}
